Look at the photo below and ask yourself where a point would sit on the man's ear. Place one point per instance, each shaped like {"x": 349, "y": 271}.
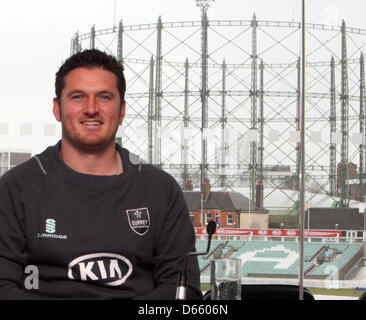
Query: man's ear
{"x": 122, "y": 112}
{"x": 56, "y": 109}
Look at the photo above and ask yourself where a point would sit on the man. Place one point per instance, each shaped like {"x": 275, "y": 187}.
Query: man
{"x": 87, "y": 218}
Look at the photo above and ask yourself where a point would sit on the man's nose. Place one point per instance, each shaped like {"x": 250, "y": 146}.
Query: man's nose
{"x": 91, "y": 107}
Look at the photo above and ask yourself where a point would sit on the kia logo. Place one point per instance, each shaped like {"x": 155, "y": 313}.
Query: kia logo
{"x": 276, "y": 233}
{"x": 291, "y": 233}
{"x": 107, "y": 268}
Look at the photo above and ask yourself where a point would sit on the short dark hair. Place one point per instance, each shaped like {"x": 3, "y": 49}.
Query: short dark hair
{"x": 91, "y": 58}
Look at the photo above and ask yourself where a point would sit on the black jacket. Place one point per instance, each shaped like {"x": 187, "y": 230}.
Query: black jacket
{"x": 93, "y": 237}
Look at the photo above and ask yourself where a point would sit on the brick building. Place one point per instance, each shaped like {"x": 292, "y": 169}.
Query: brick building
{"x": 227, "y": 209}
{"x": 352, "y": 182}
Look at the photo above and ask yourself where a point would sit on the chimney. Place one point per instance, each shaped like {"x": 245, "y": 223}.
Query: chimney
{"x": 259, "y": 195}
{"x": 189, "y": 185}
{"x": 206, "y": 188}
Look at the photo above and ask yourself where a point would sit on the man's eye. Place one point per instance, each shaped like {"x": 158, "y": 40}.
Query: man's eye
{"x": 105, "y": 97}
{"x": 76, "y": 97}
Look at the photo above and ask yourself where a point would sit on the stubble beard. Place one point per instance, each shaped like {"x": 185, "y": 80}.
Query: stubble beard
{"x": 80, "y": 143}
{"x": 77, "y": 141}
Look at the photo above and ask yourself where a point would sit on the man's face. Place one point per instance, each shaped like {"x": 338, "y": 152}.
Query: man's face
{"x": 89, "y": 109}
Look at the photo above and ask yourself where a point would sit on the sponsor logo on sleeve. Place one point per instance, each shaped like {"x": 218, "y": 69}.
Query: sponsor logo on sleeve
{"x": 139, "y": 220}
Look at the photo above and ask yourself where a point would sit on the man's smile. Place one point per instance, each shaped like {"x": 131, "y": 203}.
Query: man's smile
{"x": 92, "y": 123}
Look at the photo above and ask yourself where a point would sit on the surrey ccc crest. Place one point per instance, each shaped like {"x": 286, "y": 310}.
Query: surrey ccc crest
{"x": 139, "y": 220}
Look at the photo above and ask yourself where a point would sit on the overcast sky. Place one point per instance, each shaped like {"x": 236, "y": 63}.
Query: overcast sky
{"x": 36, "y": 34}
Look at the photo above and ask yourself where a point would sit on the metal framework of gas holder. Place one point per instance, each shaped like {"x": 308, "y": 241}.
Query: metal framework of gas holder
{"x": 236, "y": 85}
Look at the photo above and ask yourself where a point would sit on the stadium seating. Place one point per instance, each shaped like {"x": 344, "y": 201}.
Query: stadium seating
{"x": 281, "y": 258}
{"x": 204, "y": 260}
{"x": 345, "y": 253}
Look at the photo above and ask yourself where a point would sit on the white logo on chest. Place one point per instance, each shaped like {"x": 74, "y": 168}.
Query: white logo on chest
{"x": 50, "y": 225}
{"x": 108, "y": 268}
{"x": 50, "y": 228}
